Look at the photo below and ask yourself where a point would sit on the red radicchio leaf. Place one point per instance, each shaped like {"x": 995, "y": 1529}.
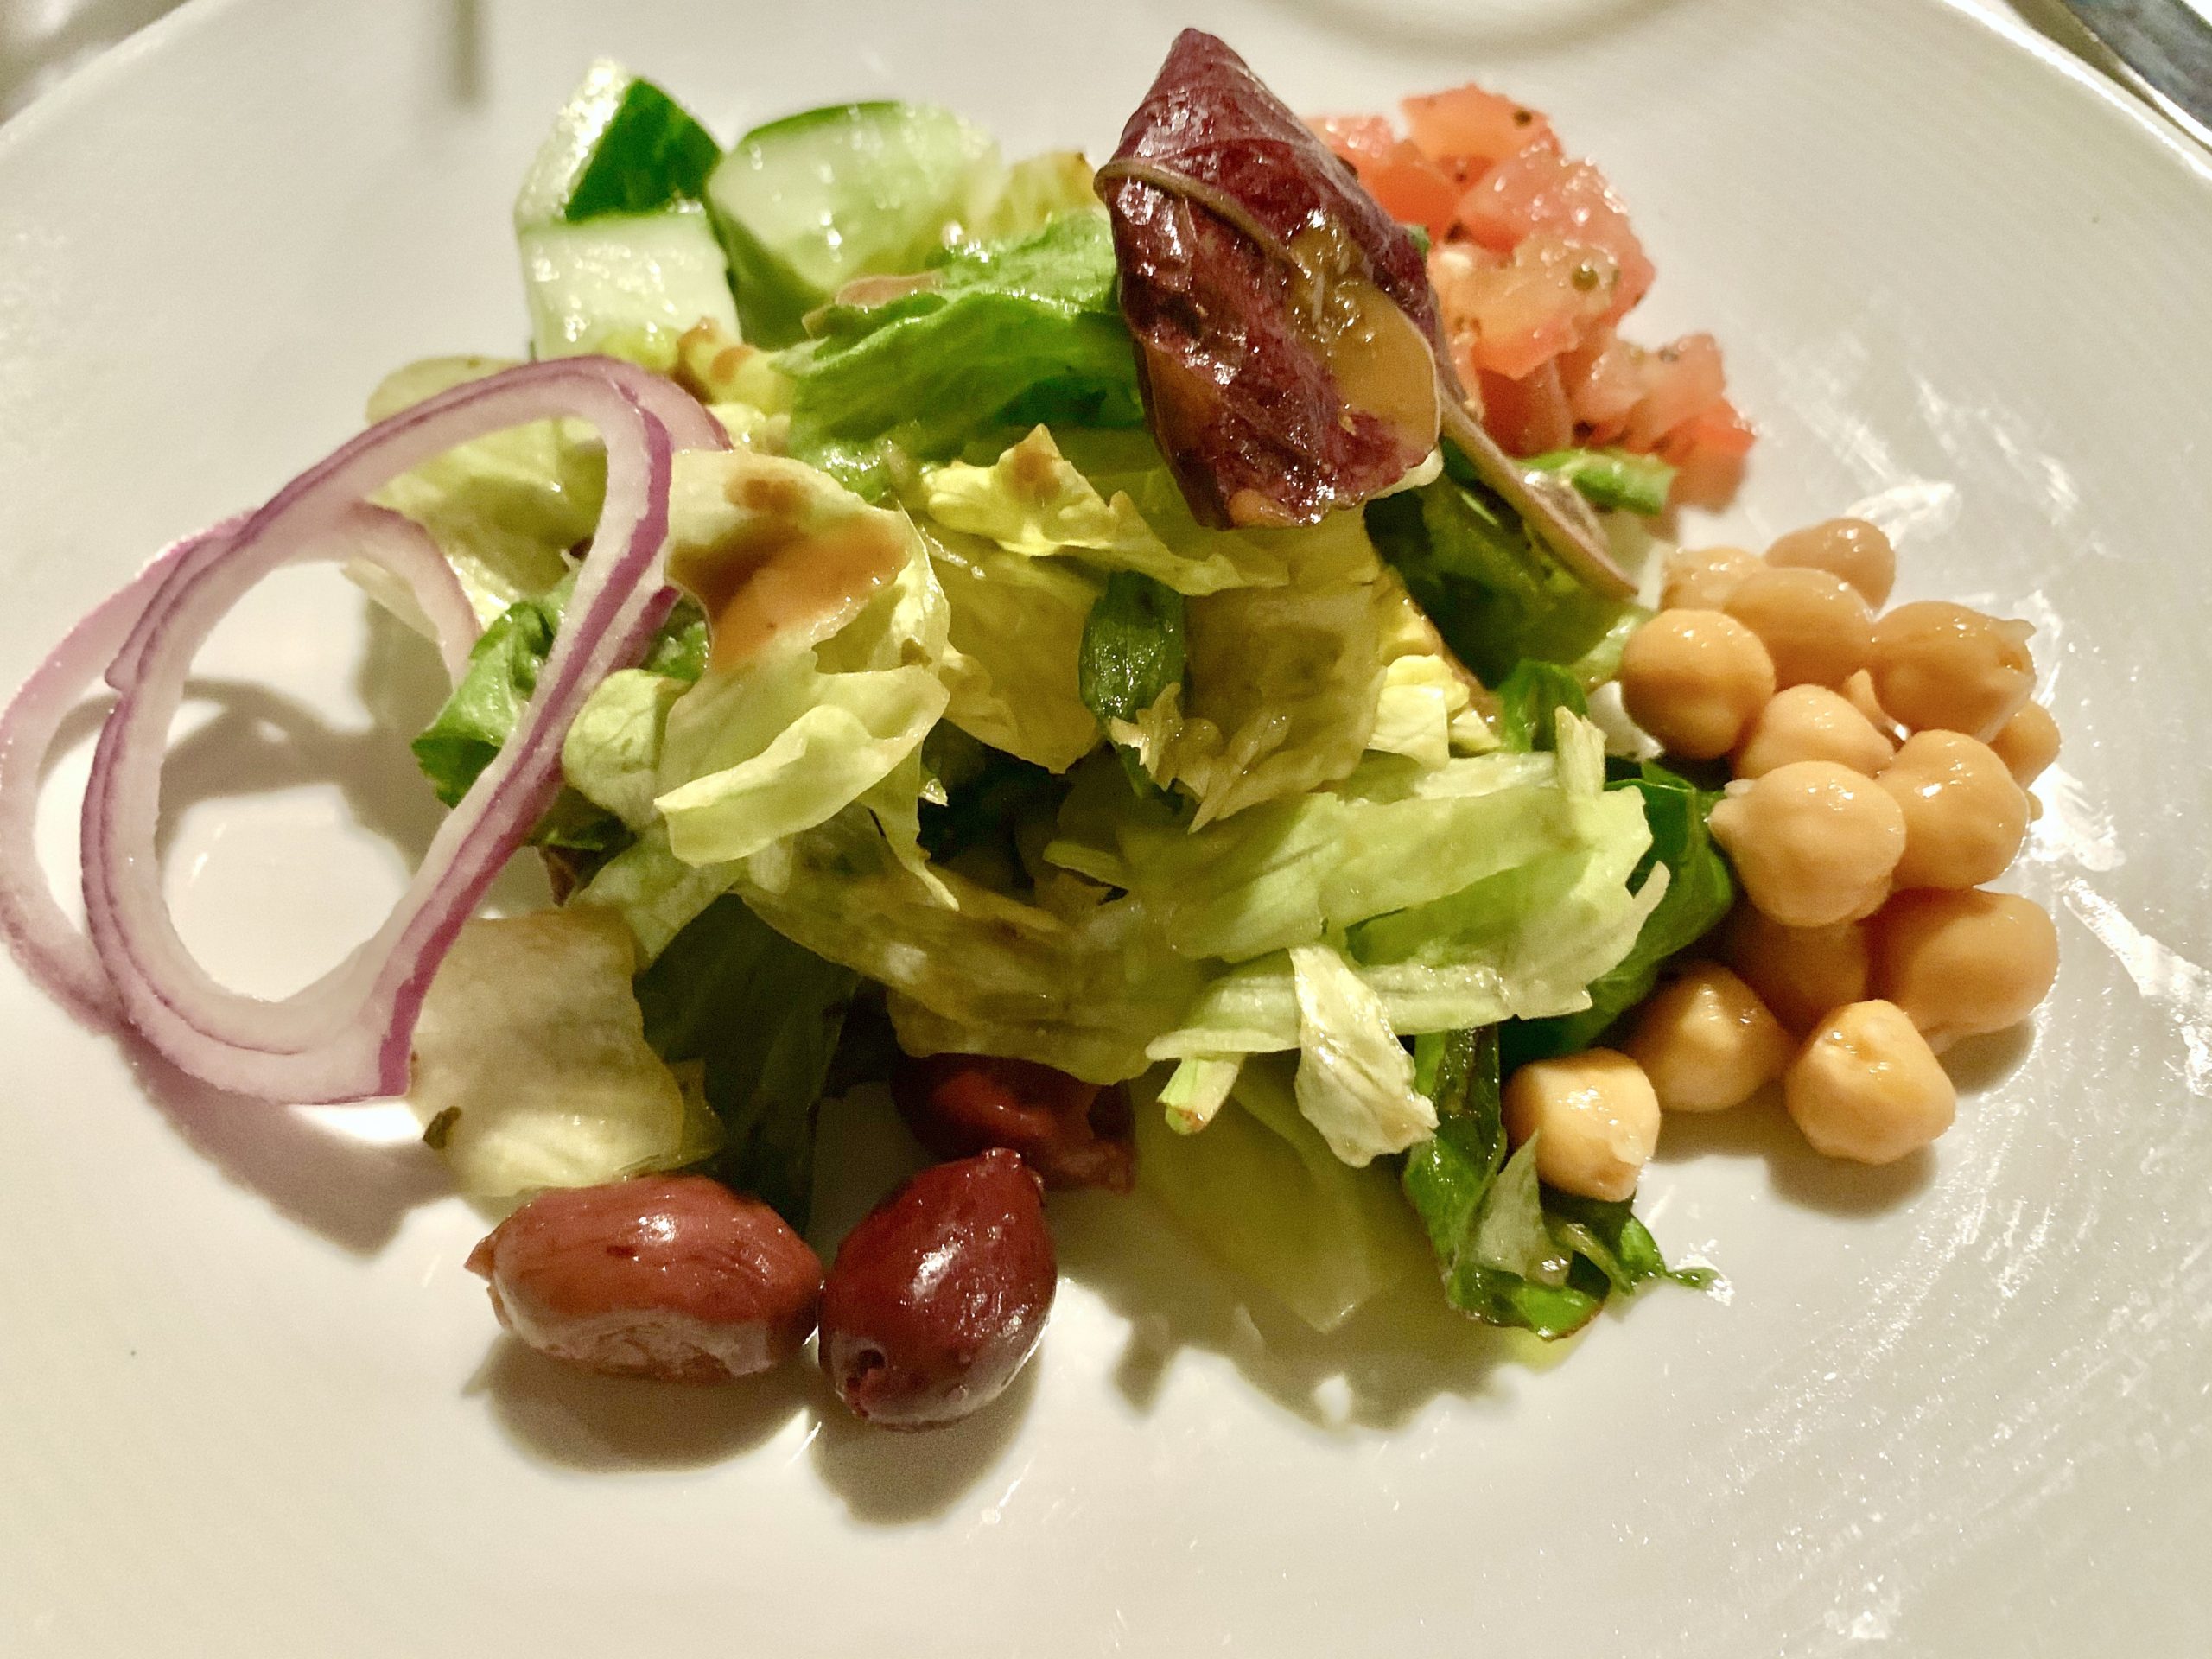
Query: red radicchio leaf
{"x": 1288, "y": 343}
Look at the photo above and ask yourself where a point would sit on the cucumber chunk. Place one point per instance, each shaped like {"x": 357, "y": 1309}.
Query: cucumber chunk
{"x": 631, "y": 285}
{"x": 619, "y": 145}
{"x": 809, "y": 202}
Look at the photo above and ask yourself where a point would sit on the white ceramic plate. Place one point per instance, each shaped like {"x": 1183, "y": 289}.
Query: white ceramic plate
{"x": 251, "y": 1406}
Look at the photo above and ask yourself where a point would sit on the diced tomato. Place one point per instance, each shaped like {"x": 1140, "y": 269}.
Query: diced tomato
{"x": 1412, "y": 191}
{"x": 1359, "y": 139}
{"x": 1707, "y": 452}
{"x": 1535, "y": 191}
{"x": 1470, "y": 124}
{"x": 1604, "y": 378}
{"x": 1516, "y": 317}
{"x": 1681, "y": 380}
{"x": 1528, "y": 415}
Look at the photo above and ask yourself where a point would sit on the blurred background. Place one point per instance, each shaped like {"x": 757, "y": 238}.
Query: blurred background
{"x": 42, "y": 41}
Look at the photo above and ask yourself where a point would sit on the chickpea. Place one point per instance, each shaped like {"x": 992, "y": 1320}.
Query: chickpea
{"x": 1802, "y": 974}
{"x": 1815, "y": 626}
{"x": 1701, "y": 578}
{"x": 1851, "y": 549}
{"x": 1596, "y": 1116}
{"x": 2027, "y": 743}
{"x": 1708, "y": 1042}
{"x": 1693, "y": 680}
{"x": 1963, "y": 963}
{"x": 1813, "y": 843}
{"x": 1810, "y": 723}
{"x": 1859, "y": 692}
{"x": 1940, "y": 664}
{"x": 1866, "y": 1086}
{"x": 1964, "y": 816}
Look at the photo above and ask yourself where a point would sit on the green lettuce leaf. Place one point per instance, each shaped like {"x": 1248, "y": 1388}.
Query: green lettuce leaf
{"x": 971, "y": 970}
{"x": 1699, "y": 893}
{"x": 1613, "y": 480}
{"x": 505, "y": 509}
{"x": 763, "y": 1017}
{"x": 1017, "y": 631}
{"x": 1511, "y": 1251}
{"x": 1496, "y": 595}
{"x": 1132, "y": 650}
{"x": 530, "y": 1064}
{"x": 1033, "y": 500}
{"x": 1355, "y": 1080}
{"x": 1261, "y": 1190}
{"x": 844, "y": 685}
{"x": 1008, "y": 332}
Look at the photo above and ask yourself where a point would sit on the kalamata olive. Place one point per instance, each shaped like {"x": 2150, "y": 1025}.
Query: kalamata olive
{"x": 936, "y": 1298}
{"x": 1072, "y": 1133}
{"x": 675, "y": 1277}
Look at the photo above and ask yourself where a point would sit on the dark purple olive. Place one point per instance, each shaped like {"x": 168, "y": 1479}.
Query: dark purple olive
{"x": 1072, "y": 1133}
{"x": 675, "y": 1277}
{"x": 937, "y": 1297}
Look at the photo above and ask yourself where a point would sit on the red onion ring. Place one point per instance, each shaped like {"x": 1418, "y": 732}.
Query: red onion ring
{"x": 347, "y": 1035}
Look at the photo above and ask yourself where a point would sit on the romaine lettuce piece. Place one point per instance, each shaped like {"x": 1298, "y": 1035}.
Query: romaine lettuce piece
{"x": 1012, "y": 332}
{"x": 530, "y": 1064}
{"x": 1699, "y": 893}
{"x": 763, "y": 1017}
{"x": 828, "y": 626}
{"x": 807, "y": 203}
{"x": 1611, "y": 480}
{"x": 1261, "y": 1190}
{"x": 1132, "y": 652}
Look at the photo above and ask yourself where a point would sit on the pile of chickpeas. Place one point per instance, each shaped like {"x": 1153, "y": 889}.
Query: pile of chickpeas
{"x": 1881, "y": 762}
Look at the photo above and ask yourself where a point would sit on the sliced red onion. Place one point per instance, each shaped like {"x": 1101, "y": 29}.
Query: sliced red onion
{"x": 52, "y": 948}
{"x": 346, "y": 1036}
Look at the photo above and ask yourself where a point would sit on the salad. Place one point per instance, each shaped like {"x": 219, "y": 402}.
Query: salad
{"x": 1147, "y": 663}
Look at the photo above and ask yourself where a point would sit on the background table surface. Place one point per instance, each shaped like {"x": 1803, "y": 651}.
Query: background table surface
{"x": 43, "y": 40}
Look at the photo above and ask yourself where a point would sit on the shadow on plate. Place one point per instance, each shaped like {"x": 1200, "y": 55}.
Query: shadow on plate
{"x": 1402, "y": 1350}
{"x": 352, "y": 1192}
{"x": 1761, "y": 1128}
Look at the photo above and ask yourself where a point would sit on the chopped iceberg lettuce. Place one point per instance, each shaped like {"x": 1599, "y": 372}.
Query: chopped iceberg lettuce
{"x": 826, "y": 625}
{"x": 1017, "y": 630}
{"x": 503, "y": 509}
{"x": 1355, "y": 1080}
{"x": 530, "y": 1058}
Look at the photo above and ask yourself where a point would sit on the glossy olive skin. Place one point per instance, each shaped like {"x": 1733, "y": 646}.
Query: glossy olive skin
{"x": 1072, "y": 1133}
{"x": 675, "y": 1277}
{"x": 937, "y": 1297}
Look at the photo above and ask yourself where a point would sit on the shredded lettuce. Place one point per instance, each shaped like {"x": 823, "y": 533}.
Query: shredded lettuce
{"x": 531, "y": 1064}
{"x": 1132, "y": 652}
{"x": 1355, "y": 1079}
{"x": 843, "y": 685}
{"x": 1033, "y": 500}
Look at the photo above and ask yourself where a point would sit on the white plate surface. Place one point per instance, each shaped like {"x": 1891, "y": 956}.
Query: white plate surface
{"x": 249, "y": 1404}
